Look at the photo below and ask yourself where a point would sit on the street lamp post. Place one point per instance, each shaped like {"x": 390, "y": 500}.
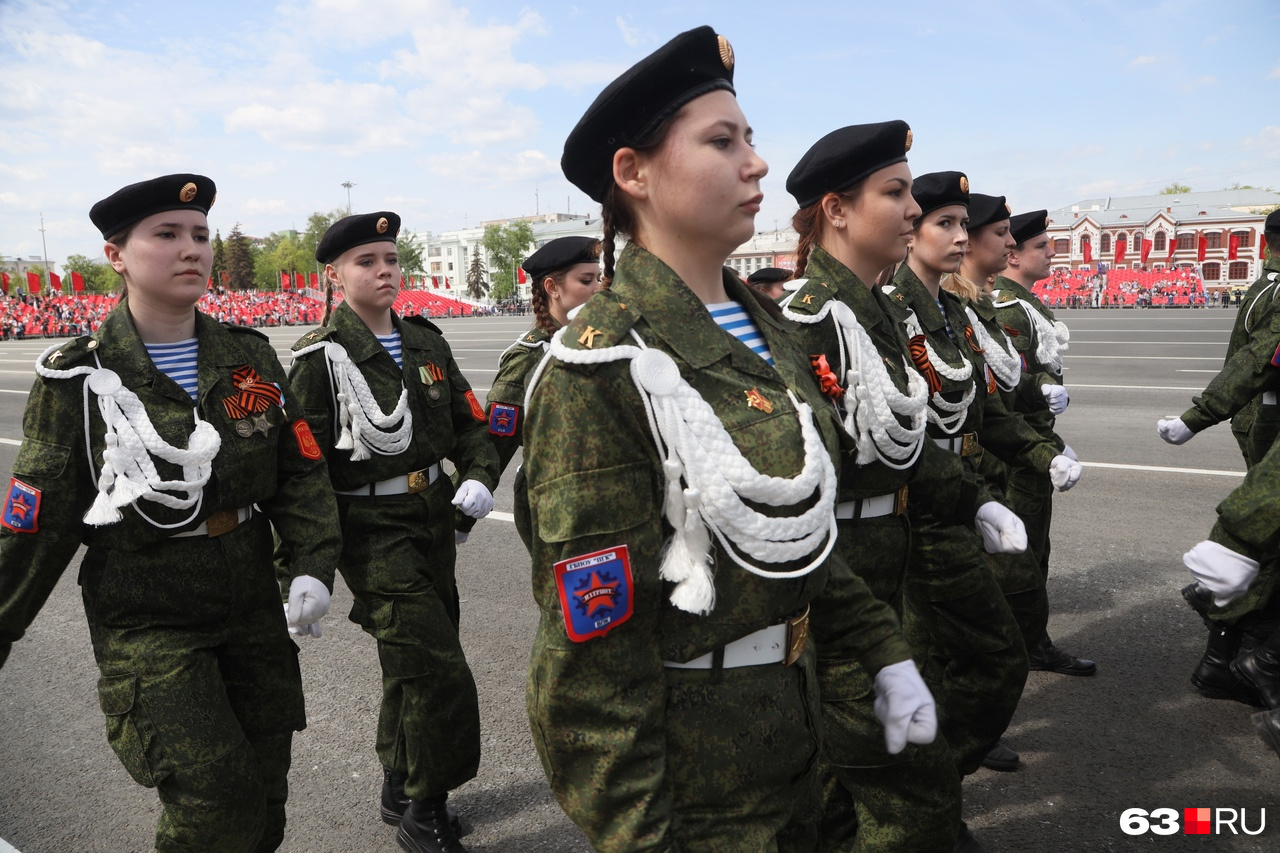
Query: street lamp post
{"x": 348, "y": 185}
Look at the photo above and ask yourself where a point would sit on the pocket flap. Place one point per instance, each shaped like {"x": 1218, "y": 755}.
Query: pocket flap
{"x": 116, "y": 693}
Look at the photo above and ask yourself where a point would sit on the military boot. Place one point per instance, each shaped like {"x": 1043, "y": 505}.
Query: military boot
{"x": 395, "y": 801}
{"x": 1212, "y": 676}
{"x": 1259, "y": 670}
{"x": 1268, "y": 725}
{"x": 1046, "y": 657}
{"x": 425, "y": 828}
{"x": 1000, "y": 757}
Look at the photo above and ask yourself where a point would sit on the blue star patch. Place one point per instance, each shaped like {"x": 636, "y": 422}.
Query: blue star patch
{"x": 595, "y": 592}
{"x": 503, "y": 419}
{"x": 21, "y": 508}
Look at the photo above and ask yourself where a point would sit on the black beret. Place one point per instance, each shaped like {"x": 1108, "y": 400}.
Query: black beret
{"x": 1272, "y": 225}
{"x": 632, "y": 106}
{"x": 843, "y": 157}
{"x": 560, "y": 254}
{"x": 768, "y": 275}
{"x": 136, "y": 202}
{"x": 351, "y": 231}
{"x": 985, "y": 209}
{"x": 940, "y": 189}
{"x": 1024, "y": 226}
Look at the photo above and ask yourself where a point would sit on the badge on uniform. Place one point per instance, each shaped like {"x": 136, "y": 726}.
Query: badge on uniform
{"x": 307, "y": 446}
{"x": 430, "y": 374}
{"x": 595, "y": 592}
{"x": 477, "y": 410}
{"x": 254, "y": 395}
{"x": 503, "y": 418}
{"x": 991, "y": 379}
{"x": 21, "y": 508}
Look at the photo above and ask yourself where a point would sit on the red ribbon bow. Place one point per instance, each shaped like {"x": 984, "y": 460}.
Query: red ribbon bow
{"x": 827, "y": 380}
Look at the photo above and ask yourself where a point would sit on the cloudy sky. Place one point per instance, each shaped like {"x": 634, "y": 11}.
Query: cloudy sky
{"x": 451, "y": 113}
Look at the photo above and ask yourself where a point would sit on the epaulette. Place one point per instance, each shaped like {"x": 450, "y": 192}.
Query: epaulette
{"x": 246, "y": 330}
{"x": 810, "y": 298}
{"x": 602, "y": 322}
{"x": 419, "y": 320}
{"x": 891, "y": 291}
{"x": 71, "y": 352}
{"x": 533, "y": 338}
{"x": 997, "y": 295}
{"x": 314, "y": 336}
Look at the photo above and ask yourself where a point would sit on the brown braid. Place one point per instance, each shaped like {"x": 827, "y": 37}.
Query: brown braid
{"x": 328, "y": 299}
{"x": 540, "y": 304}
{"x": 807, "y": 223}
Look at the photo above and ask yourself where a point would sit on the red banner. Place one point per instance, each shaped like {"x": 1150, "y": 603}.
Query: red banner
{"x": 1262, "y": 247}
{"x": 298, "y": 281}
{"x": 55, "y": 281}
{"x": 1173, "y": 247}
{"x": 1086, "y": 246}
{"x": 435, "y": 282}
{"x": 77, "y": 282}
{"x": 284, "y": 281}
{"x": 446, "y": 282}
{"x": 4, "y": 282}
{"x": 33, "y": 283}
{"x": 521, "y": 278}
{"x": 1233, "y": 247}
{"x": 1202, "y": 246}
{"x": 315, "y": 280}
{"x": 1121, "y": 244}
{"x": 1146, "y": 249}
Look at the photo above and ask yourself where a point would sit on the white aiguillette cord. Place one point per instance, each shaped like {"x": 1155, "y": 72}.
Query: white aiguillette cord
{"x": 696, "y": 447}
{"x": 955, "y": 413}
{"x": 1052, "y": 338}
{"x": 871, "y": 400}
{"x": 1003, "y": 360}
{"x": 363, "y": 426}
{"x": 128, "y": 472}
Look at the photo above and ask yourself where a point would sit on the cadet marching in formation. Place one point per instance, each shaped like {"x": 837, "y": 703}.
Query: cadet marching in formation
{"x": 789, "y": 538}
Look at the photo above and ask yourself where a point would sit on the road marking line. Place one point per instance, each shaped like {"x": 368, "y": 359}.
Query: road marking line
{"x": 1194, "y": 370}
{"x": 1209, "y": 472}
{"x": 1152, "y": 357}
{"x": 1075, "y": 340}
{"x": 1138, "y": 387}
{"x": 10, "y": 441}
{"x": 12, "y": 391}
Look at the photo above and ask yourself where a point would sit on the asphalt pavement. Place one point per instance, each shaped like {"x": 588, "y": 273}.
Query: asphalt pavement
{"x": 1134, "y": 736}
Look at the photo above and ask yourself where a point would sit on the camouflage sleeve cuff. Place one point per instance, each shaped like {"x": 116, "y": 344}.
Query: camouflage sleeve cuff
{"x": 1223, "y": 537}
{"x": 1197, "y": 420}
{"x": 893, "y": 649}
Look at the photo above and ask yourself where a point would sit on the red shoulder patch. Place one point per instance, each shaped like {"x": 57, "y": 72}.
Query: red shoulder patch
{"x": 477, "y": 410}
{"x": 595, "y": 592}
{"x": 307, "y": 445}
{"x": 21, "y": 508}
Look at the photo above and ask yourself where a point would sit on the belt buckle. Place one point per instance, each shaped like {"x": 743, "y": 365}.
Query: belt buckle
{"x": 797, "y": 636}
{"x": 419, "y": 480}
{"x": 222, "y": 521}
{"x": 900, "y": 501}
{"x": 969, "y": 444}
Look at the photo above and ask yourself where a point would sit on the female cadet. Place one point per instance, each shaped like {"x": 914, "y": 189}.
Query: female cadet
{"x": 854, "y": 220}
{"x": 977, "y": 660}
{"x": 679, "y": 465}
{"x": 170, "y": 445}
{"x": 565, "y": 273}
{"x": 389, "y": 405}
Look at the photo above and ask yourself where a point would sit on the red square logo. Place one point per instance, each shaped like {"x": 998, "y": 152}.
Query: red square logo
{"x": 1196, "y": 821}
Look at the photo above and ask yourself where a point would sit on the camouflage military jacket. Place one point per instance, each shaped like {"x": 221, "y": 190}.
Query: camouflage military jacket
{"x": 999, "y": 430}
{"x": 514, "y": 369}
{"x": 596, "y": 486}
{"x": 1026, "y": 398}
{"x": 938, "y": 479}
{"x": 1018, "y": 324}
{"x": 447, "y": 419}
{"x": 1253, "y": 354}
{"x": 266, "y": 459}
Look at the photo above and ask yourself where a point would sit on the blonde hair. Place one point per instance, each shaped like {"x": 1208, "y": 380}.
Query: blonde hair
{"x": 954, "y": 282}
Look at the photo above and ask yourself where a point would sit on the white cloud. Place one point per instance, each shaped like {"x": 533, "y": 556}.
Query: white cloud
{"x": 1275, "y": 73}
{"x": 474, "y": 168}
{"x": 1139, "y": 61}
{"x": 630, "y": 34}
{"x": 1198, "y": 83}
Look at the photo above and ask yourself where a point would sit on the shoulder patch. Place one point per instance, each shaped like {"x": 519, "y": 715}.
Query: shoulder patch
{"x": 596, "y": 592}
{"x": 307, "y": 446}
{"x": 21, "y": 508}
{"x": 503, "y": 419}
{"x": 477, "y": 411}
{"x": 424, "y": 323}
{"x": 246, "y": 330}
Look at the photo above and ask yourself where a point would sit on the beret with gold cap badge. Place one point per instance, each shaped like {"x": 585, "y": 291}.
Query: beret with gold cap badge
{"x": 130, "y": 205}
{"x": 769, "y": 275}
{"x": 843, "y": 157}
{"x": 1272, "y": 223}
{"x": 936, "y": 190}
{"x": 1024, "y": 226}
{"x": 986, "y": 209}
{"x": 560, "y": 254}
{"x": 357, "y": 230}
{"x": 634, "y": 105}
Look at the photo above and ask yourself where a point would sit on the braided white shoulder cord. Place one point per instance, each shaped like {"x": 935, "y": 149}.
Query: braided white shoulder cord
{"x": 947, "y": 416}
{"x": 1051, "y": 337}
{"x": 696, "y": 447}
{"x": 128, "y": 472}
{"x": 1002, "y": 358}
{"x": 871, "y": 400}
{"x": 1249, "y": 314}
{"x": 363, "y": 426}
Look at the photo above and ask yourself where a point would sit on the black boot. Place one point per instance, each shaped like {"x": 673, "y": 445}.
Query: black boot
{"x": 1268, "y": 725}
{"x": 1259, "y": 670}
{"x": 425, "y": 828}
{"x": 394, "y": 802}
{"x": 1199, "y": 597}
{"x": 1000, "y": 757}
{"x": 1046, "y": 657}
{"x": 966, "y": 843}
{"x": 1212, "y": 676}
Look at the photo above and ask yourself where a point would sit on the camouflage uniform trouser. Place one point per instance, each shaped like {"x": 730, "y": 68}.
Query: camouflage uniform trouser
{"x": 976, "y": 662}
{"x": 200, "y": 683}
{"x": 1024, "y": 577}
{"x": 873, "y": 801}
{"x": 1259, "y": 608}
{"x": 398, "y": 559}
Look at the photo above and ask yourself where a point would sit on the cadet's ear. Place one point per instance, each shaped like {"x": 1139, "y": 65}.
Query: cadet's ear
{"x": 112, "y": 251}
{"x": 332, "y": 274}
{"x": 834, "y": 210}
{"x": 630, "y": 174}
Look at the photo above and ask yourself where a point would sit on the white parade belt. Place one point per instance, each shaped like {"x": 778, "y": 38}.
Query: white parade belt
{"x": 877, "y": 506}
{"x": 964, "y": 445}
{"x": 222, "y": 521}
{"x": 782, "y": 643}
{"x": 405, "y": 484}
{"x": 1269, "y": 398}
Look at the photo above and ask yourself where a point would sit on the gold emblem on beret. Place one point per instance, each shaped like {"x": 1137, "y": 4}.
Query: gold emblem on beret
{"x": 910, "y": 136}
{"x": 726, "y": 52}
{"x": 188, "y": 192}
{"x": 212, "y": 200}
{"x": 964, "y": 184}
{"x": 1007, "y": 208}
{"x": 383, "y": 225}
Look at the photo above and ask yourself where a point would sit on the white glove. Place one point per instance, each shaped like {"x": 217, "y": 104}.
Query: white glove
{"x": 308, "y": 602}
{"x": 473, "y": 499}
{"x": 1064, "y": 472}
{"x": 460, "y": 536}
{"x": 904, "y": 706}
{"x": 1069, "y": 453}
{"x": 1174, "y": 431}
{"x": 1222, "y": 571}
{"x": 1057, "y": 398}
{"x": 1002, "y": 531}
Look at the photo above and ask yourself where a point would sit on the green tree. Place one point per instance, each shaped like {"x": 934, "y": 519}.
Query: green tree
{"x": 219, "y": 259}
{"x": 317, "y": 224}
{"x": 239, "y": 261}
{"x": 506, "y": 246}
{"x": 99, "y": 277}
{"x": 477, "y": 286}
{"x": 410, "y": 249}
{"x": 281, "y": 252}
{"x": 1175, "y": 188}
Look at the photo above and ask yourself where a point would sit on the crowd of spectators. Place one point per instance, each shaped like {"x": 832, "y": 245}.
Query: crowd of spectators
{"x": 1121, "y": 288}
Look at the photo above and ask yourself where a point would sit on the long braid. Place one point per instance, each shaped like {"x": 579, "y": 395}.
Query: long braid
{"x": 540, "y": 304}
{"x": 328, "y": 299}
{"x": 610, "y": 229}
{"x": 805, "y": 221}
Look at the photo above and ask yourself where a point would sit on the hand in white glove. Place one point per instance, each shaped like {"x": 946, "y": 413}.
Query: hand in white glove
{"x": 1002, "y": 531}
{"x": 1069, "y": 453}
{"x": 1057, "y": 398}
{"x": 308, "y": 602}
{"x": 1225, "y": 573}
{"x": 460, "y": 536}
{"x": 904, "y": 706}
{"x": 1174, "y": 431}
{"x": 1064, "y": 472}
{"x": 473, "y": 499}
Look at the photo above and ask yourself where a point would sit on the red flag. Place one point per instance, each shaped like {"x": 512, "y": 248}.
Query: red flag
{"x": 1233, "y": 247}
{"x": 1173, "y": 246}
{"x": 402, "y": 282}
{"x": 33, "y": 283}
{"x": 1087, "y": 247}
{"x": 1202, "y": 245}
{"x": 209, "y": 284}
{"x": 55, "y": 281}
{"x": 4, "y": 282}
{"x": 521, "y": 278}
{"x": 284, "y": 281}
{"x": 1120, "y": 247}
{"x": 435, "y": 282}
{"x": 298, "y": 281}
{"x": 315, "y": 280}
{"x": 77, "y": 282}
{"x": 1262, "y": 247}
{"x": 1146, "y": 249}
{"x": 446, "y": 282}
